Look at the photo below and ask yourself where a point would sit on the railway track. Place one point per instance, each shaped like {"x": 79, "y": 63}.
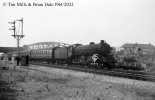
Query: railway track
{"x": 118, "y": 73}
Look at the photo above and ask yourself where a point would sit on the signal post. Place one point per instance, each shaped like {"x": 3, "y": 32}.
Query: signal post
{"x": 18, "y": 36}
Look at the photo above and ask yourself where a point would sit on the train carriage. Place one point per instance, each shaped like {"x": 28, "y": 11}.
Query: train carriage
{"x": 41, "y": 55}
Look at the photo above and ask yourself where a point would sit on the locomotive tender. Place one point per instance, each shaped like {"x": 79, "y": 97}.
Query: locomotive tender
{"x": 76, "y": 54}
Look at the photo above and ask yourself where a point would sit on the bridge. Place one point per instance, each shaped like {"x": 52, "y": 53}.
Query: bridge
{"x": 35, "y": 46}
{"x": 9, "y": 49}
{"x": 44, "y": 45}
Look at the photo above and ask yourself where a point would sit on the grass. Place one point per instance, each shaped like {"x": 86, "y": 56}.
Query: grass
{"x": 38, "y": 85}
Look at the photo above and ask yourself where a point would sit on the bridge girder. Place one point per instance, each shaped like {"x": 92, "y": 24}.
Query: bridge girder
{"x": 44, "y": 45}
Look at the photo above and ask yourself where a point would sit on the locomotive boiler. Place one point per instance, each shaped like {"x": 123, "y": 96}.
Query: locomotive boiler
{"x": 82, "y": 54}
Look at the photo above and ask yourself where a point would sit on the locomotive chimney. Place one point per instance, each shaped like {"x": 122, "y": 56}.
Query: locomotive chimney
{"x": 102, "y": 41}
{"x": 92, "y": 43}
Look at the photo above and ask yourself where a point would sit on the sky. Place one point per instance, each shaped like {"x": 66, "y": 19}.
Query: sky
{"x": 115, "y": 21}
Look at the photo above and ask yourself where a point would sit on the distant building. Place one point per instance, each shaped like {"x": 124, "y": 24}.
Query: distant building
{"x": 146, "y": 51}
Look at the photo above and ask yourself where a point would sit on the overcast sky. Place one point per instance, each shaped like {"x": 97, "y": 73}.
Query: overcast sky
{"x": 115, "y": 21}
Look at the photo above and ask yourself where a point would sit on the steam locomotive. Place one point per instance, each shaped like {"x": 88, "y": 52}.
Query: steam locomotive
{"x": 76, "y": 54}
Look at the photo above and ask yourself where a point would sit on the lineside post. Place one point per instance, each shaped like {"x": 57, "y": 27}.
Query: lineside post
{"x": 94, "y": 57}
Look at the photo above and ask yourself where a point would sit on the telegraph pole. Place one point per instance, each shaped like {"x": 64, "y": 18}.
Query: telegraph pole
{"x": 17, "y": 35}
